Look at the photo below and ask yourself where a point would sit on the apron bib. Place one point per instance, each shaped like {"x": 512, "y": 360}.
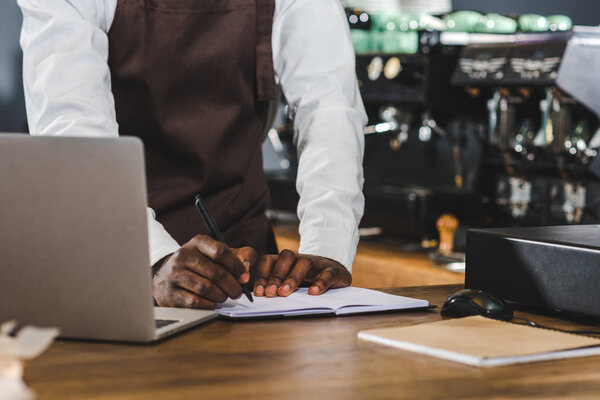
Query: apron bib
{"x": 192, "y": 79}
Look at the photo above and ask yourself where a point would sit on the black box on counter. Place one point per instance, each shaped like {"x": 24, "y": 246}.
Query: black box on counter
{"x": 555, "y": 268}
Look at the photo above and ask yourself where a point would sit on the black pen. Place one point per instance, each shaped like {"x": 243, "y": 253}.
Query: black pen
{"x": 216, "y": 234}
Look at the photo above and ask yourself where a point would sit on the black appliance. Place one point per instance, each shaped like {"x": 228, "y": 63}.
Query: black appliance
{"x": 544, "y": 268}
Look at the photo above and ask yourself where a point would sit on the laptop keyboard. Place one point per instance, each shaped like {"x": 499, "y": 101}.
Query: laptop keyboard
{"x": 159, "y": 323}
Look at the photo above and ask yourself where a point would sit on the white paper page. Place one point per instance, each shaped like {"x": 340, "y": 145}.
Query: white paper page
{"x": 352, "y": 297}
{"x": 298, "y": 303}
{"x": 345, "y": 300}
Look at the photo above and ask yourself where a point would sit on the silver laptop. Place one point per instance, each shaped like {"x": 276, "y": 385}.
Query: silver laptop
{"x": 74, "y": 240}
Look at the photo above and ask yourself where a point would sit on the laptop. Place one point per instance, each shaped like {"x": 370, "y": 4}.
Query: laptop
{"x": 74, "y": 240}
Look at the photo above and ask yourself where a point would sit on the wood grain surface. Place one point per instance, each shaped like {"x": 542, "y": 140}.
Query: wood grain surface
{"x": 302, "y": 358}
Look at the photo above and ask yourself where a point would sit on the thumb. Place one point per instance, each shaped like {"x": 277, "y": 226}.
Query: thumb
{"x": 247, "y": 255}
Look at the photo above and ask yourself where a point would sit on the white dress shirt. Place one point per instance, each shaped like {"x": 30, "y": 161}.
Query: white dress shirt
{"x": 68, "y": 92}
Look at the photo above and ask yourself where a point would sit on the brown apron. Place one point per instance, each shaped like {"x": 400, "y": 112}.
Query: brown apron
{"x": 192, "y": 79}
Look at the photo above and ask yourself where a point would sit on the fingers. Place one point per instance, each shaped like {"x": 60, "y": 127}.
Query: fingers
{"x": 248, "y": 256}
{"x": 221, "y": 254}
{"x": 331, "y": 277}
{"x": 284, "y": 264}
{"x": 263, "y": 272}
{"x": 192, "y": 260}
{"x": 323, "y": 282}
{"x": 200, "y": 286}
{"x": 201, "y": 273}
{"x": 296, "y": 277}
{"x": 183, "y": 299}
{"x": 280, "y": 275}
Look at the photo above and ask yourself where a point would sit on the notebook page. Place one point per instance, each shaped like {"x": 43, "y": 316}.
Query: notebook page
{"x": 344, "y": 301}
{"x": 354, "y": 300}
{"x": 298, "y": 303}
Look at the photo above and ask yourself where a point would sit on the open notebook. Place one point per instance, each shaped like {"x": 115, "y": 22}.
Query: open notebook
{"x": 484, "y": 342}
{"x": 349, "y": 300}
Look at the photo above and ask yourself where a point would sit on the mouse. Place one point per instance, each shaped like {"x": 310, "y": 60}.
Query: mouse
{"x": 468, "y": 302}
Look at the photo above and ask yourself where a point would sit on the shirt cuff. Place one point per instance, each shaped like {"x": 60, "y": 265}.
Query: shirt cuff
{"x": 161, "y": 243}
{"x": 340, "y": 247}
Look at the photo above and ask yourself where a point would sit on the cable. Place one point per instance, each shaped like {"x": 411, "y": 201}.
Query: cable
{"x": 535, "y": 324}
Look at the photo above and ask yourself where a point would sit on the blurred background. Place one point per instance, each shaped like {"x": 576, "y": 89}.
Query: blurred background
{"x": 481, "y": 114}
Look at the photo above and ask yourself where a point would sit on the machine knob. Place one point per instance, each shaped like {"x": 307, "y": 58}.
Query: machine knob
{"x": 446, "y": 225}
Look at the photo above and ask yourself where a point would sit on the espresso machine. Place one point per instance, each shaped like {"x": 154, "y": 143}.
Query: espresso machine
{"x": 423, "y": 148}
{"x": 542, "y": 133}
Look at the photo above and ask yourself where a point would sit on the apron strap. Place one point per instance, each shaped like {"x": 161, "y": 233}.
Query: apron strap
{"x": 265, "y": 74}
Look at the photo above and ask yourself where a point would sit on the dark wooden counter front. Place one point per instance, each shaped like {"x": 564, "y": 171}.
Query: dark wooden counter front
{"x": 309, "y": 358}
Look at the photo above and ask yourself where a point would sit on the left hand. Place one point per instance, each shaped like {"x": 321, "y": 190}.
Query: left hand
{"x": 280, "y": 275}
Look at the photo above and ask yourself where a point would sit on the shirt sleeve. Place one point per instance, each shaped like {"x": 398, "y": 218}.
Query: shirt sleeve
{"x": 315, "y": 65}
{"x": 67, "y": 79}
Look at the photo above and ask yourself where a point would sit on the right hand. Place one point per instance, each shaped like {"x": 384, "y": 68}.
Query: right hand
{"x": 201, "y": 273}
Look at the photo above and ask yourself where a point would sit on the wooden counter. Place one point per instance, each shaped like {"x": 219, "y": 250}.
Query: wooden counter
{"x": 378, "y": 265}
{"x": 302, "y": 358}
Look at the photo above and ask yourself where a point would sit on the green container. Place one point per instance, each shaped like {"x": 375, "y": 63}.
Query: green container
{"x": 423, "y": 21}
{"x": 398, "y": 42}
{"x": 405, "y": 22}
{"x": 429, "y": 22}
{"x": 533, "y": 23}
{"x": 559, "y": 23}
{"x": 408, "y": 22}
{"x": 409, "y": 42}
{"x": 375, "y": 41}
{"x": 463, "y": 21}
{"x": 384, "y": 22}
{"x": 496, "y": 23}
{"x": 361, "y": 40}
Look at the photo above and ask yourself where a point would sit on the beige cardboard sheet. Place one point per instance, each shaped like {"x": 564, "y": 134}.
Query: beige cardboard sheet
{"x": 473, "y": 340}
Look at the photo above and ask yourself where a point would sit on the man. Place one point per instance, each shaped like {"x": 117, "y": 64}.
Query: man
{"x": 192, "y": 79}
